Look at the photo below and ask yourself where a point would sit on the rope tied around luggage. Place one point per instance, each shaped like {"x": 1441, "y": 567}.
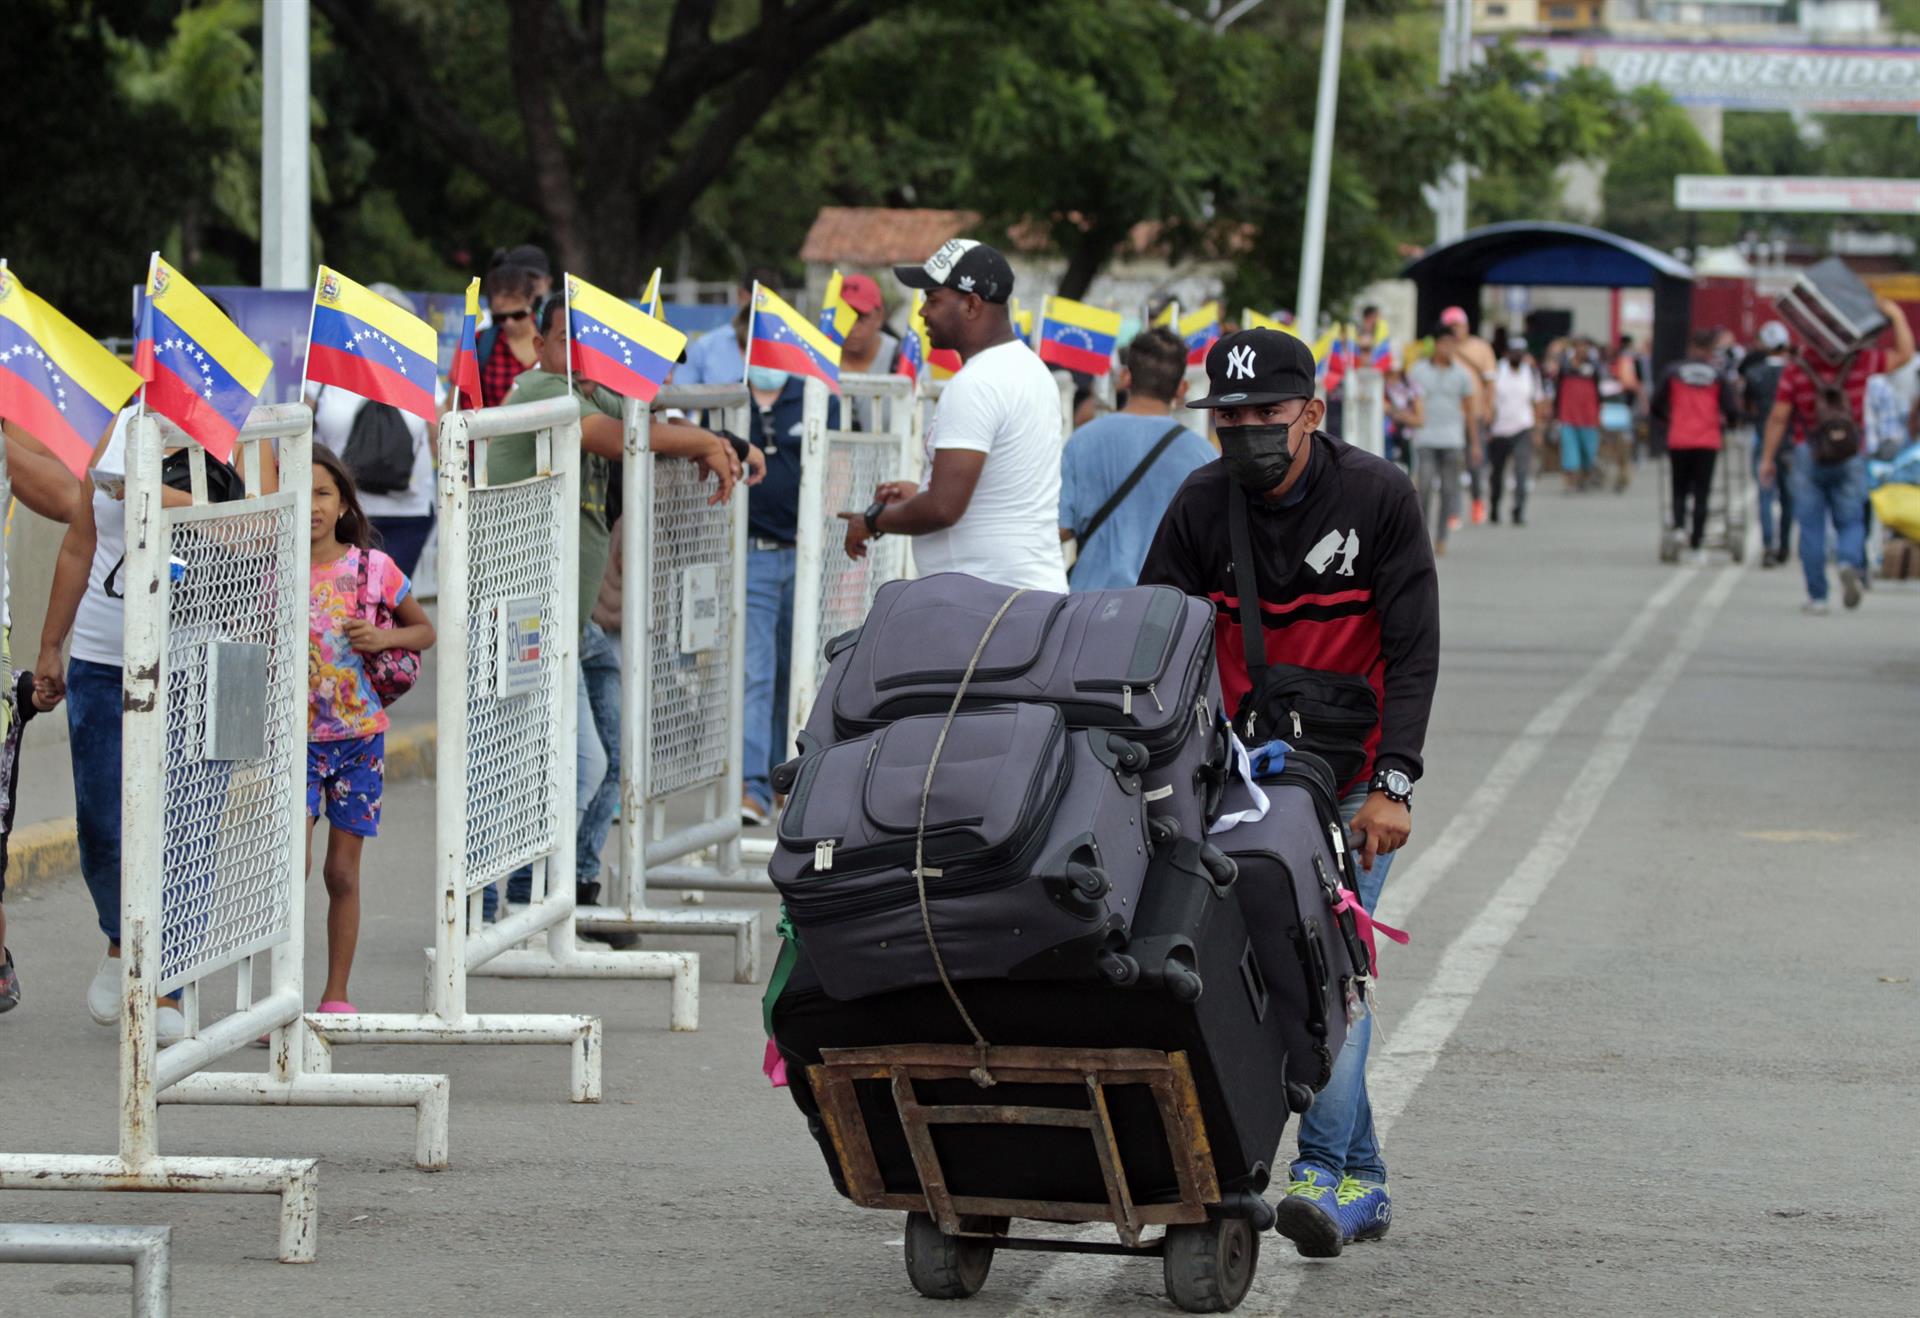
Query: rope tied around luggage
{"x": 980, "y": 1074}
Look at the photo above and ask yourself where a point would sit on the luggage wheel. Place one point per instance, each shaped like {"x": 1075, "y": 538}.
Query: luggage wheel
{"x": 944, "y": 1267}
{"x": 1209, "y": 1266}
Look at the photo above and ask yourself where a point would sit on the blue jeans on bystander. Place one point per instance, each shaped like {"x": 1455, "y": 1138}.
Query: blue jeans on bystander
{"x": 93, "y": 731}
{"x": 600, "y": 718}
{"x": 1821, "y": 492}
{"x": 1337, "y": 1131}
{"x": 770, "y": 574}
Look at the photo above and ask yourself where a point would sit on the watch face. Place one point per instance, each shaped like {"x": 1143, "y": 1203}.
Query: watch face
{"x": 1398, "y": 783}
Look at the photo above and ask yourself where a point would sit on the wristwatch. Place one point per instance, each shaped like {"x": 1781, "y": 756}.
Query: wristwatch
{"x": 1394, "y": 785}
{"x": 872, "y": 518}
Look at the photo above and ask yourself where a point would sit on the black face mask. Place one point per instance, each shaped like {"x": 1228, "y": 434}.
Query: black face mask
{"x": 1257, "y": 457}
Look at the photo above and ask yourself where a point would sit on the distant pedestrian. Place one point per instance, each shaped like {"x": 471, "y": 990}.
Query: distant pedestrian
{"x": 1447, "y": 438}
{"x": 505, "y": 348}
{"x": 1693, "y": 405}
{"x": 350, "y": 584}
{"x": 1577, "y": 408}
{"x": 1519, "y": 400}
{"x": 1119, "y": 472}
{"x": 1759, "y": 384}
{"x": 1477, "y": 356}
{"x": 1829, "y": 468}
{"x": 991, "y": 505}
{"x": 869, "y": 348}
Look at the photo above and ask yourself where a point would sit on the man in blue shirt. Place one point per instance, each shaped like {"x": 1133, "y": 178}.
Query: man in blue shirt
{"x": 715, "y": 357}
{"x": 773, "y": 517}
{"x": 1102, "y": 454}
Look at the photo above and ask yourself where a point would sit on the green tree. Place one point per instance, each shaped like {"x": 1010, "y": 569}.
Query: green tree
{"x": 616, "y": 117}
{"x": 1638, "y": 192}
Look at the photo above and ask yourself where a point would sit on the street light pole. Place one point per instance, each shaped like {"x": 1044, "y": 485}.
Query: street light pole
{"x": 1313, "y": 241}
{"x": 285, "y": 207}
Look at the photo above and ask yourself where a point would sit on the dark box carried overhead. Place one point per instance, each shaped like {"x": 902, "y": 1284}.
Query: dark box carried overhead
{"x": 1831, "y": 310}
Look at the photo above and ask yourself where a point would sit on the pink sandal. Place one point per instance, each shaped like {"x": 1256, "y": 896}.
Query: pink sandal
{"x": 338, "y": 1007}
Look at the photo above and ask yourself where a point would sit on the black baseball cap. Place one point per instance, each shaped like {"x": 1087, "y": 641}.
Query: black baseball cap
{"x": 964, "y": 265}
{"x": 1255, "y": 367}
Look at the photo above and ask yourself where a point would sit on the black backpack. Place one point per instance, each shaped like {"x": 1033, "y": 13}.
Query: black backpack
{"x": 1835, "y": 436}
{"x": 379, "y": 449}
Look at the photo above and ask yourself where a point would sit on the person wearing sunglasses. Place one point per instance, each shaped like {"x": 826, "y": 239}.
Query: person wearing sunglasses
{"x": 507, "y": 347}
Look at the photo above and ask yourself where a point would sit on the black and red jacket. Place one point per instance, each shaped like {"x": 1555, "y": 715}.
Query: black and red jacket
{"x": 1693, "y": 403}
{"x": 1346, "y": 585}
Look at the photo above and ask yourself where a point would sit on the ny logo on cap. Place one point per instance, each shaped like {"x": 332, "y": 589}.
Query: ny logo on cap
{"x": 1240, "y": 363}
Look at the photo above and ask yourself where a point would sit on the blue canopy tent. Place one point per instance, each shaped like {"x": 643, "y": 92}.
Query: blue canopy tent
{"x": 1524, "y": 252}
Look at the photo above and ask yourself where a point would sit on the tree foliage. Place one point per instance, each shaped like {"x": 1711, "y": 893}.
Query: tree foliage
{"x": 1661, "y": 143}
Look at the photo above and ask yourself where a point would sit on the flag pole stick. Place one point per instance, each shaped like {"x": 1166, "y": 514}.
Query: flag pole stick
{"x": 566, "y": 304}
{"x": 313, "y": 312}
{"x": 753, "y": 310}
{"x": 146, "y": 295}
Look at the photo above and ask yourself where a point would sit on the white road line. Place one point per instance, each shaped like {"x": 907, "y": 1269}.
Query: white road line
{"x": 1413, "y": 1048}
{"x": 1406, "y": 887}
{"x": 1408, "y": 1055}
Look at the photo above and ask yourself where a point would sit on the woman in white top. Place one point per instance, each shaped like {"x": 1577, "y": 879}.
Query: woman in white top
{"x": 87, "y": 603}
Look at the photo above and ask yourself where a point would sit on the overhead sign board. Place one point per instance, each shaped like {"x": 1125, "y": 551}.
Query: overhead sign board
{"x": 1860, "y": 196}
{"x": 1828, "y": 79}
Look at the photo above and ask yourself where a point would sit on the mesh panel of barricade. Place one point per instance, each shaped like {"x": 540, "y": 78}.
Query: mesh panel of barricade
{"x": 512, "y": 761}
{"x": 855, "y": 465}
{"x": 229, "y": 823}
{"x": 688, "y": 739}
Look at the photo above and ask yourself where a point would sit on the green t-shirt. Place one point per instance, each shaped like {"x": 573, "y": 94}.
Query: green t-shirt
{"x": 511, "y": 458}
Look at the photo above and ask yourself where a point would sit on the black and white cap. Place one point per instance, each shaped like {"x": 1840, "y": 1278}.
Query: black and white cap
{"x": 964, "y": 265}
{"x": 1256, "y": 367}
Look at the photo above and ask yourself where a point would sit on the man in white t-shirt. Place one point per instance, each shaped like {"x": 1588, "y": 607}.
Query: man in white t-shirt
{"x": 1519, "y": 408}
{"x": 992, "y": 497}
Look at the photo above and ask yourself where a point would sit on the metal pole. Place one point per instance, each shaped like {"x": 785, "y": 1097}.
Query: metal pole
{"x": 1313, "y": 243}
{"x": 285, "y": 206}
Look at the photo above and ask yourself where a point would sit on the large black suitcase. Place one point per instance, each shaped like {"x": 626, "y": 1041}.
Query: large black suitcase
{"x": 1233, "y": 1034}
{"x": 1831, "y": 308}
{"x": 1137, "y": 661}
{"x": 1293, "y": 864}
{"x": 1035, "y": 849}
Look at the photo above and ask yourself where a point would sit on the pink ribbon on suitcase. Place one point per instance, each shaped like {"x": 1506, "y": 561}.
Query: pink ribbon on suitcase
{"x": 1367, "y": 924}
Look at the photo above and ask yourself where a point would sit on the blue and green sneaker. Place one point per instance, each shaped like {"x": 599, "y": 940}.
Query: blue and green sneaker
{"x": 1308, "y": 1214}
{"x": 1364, "y": 1208}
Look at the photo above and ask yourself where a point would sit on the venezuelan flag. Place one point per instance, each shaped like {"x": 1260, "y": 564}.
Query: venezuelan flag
{"x": 1200, "y": 330}
{"x": 466, "y": 357}
{"x": 56, "y": 382}
{"x": 782, "y": 338}
{"x": 1022, "y": 318}
{"x": 202, "y": 373}
{"x": 1168, "y": 318}
{"x": 612, "y": 343}
{"x": 913, "y": 356}
{"x": 1077, "y": 336}
{"x": 651, "y": 298}
{"x": 368, "y": 346}
{"x": 836, "y": 317}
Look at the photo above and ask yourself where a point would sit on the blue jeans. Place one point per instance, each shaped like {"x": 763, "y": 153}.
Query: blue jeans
{"x": 1336, "y": 1133}
{"x": 1821, "y": 492}
{"x": 93, "y": 731}
{"x": 600, "y": 720}
{"x": 770, "y": 574}
{"x": 1775, "y": 497}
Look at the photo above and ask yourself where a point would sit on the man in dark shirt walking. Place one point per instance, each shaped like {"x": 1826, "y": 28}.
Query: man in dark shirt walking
{"x": 1346, "y": 585}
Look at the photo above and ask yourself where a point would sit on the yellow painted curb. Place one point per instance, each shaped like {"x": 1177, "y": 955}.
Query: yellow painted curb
{"x": 47, "y": 852}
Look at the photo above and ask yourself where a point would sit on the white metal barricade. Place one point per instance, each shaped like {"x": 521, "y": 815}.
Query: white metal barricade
{"x": 145, "y": 1249}
{"x": 682, "y": 673}
{"x": 504, "y": 778}
{"x": 213, "y": 826}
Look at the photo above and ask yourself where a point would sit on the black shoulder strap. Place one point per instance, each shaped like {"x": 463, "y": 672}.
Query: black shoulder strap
{"x": 1253, "y": 633}
{"x": 1099, "y": 519}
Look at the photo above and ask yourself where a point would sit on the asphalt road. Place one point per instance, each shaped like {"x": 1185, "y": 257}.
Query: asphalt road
{"x": 1654, "y": 1047}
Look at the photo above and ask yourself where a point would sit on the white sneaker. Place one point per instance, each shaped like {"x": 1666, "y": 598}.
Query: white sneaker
{"x": 1698, "y": 558}
{"x": 103, "y": 995}
{"x": 1818, "y": 608}
{"x": 169, "y": 1025}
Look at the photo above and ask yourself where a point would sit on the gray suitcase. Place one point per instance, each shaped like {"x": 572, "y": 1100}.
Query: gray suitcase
{"x": 1036, "y": 847}
{"x": 1138, "y": 661}
{"x": 1832, "y": 309}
